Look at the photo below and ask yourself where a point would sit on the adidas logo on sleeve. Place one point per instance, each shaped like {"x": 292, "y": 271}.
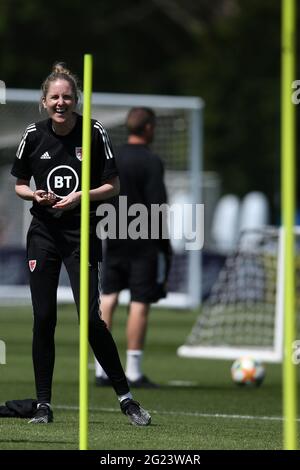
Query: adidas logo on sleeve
{"x": 45, "y": 156}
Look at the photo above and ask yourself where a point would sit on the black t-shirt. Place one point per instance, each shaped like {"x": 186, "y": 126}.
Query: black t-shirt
{"x": 141, "y": 174}
{"x": 54, "y": 162}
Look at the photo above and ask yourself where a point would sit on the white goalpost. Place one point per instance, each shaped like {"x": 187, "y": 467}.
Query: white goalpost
{"x": 178, "y": 141}
{"x": 244, "y": 313}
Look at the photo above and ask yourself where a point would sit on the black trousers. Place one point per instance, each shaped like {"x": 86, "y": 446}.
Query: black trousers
{"x": 47, "y": 248}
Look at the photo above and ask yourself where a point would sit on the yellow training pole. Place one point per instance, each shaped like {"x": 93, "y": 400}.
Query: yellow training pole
{"x": 288, "y": 192}
{"x": 84, "y": 253}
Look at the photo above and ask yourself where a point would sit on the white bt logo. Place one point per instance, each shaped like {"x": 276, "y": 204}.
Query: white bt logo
{"x": 62, "y": 180}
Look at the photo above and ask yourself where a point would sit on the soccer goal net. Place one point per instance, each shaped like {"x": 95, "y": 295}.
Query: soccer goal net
{"x": 178, "y": 141}
{"x": 244, "y": 313}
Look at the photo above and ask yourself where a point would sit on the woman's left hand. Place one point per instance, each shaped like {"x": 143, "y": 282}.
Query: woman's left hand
{"x": 68, "y": 202}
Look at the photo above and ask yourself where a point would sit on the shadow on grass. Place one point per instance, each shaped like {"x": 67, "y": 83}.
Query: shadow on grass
{"x": 41, "y": 441}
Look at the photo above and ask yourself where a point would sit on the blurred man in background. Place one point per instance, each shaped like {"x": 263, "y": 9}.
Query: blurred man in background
{"x": 140, "y": 265}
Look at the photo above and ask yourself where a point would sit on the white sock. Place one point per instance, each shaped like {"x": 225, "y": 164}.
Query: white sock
{"x": 48, "y": 404}
{"x": 99, "y": 371}
{"x": 134, "y": 364}
{"x": 124, "y": 397}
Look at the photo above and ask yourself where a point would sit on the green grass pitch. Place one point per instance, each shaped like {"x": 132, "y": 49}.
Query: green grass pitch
{"x": 197, "y": 406}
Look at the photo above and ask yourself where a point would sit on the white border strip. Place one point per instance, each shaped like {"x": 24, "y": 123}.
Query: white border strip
{"x": 117, "y": 99}
{"x": 225, "y": 352}
{"x": 20, "y": 295}
{"x": 196, "y": 414}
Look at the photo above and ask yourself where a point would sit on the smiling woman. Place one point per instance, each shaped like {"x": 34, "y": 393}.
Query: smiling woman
{"x": 60, "y": 94}
{"x": 50, "y": 152}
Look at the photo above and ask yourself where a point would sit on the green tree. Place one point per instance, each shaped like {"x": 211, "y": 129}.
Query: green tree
{"x": 226, "y": 51}
{"x": 238, "y": 74}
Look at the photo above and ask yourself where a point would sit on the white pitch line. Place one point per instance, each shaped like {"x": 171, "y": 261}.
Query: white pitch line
{"x": 195, "y": 414}
{"x": 182, "y": 383}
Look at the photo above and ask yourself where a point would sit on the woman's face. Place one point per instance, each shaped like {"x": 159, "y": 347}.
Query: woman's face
{"x": 60, "y": 101}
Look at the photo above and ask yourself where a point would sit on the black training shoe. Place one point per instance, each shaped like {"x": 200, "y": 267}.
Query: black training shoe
{"x": 142, "y": 382}
{"x": 136, "y": 414}
{"x": 43, "y": 414}
{"x": 103, "y": 382}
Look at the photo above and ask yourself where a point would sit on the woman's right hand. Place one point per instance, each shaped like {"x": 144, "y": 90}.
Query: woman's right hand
{"x": 44, "y": 198}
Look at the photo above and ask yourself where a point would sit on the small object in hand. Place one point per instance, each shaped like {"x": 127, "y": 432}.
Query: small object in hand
{"x": 51, "y": 197}
{"x": 48, "y": 195}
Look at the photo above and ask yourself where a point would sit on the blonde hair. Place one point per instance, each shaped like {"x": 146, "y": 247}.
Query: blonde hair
{"x": 60, "y": 71}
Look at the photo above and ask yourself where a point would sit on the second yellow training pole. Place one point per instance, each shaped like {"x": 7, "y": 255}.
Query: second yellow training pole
{"x": 288, "y": 191}
{"x": 84, "y": 253}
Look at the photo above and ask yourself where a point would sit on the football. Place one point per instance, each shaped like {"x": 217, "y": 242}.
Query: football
{"x": 247, "y": 371}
